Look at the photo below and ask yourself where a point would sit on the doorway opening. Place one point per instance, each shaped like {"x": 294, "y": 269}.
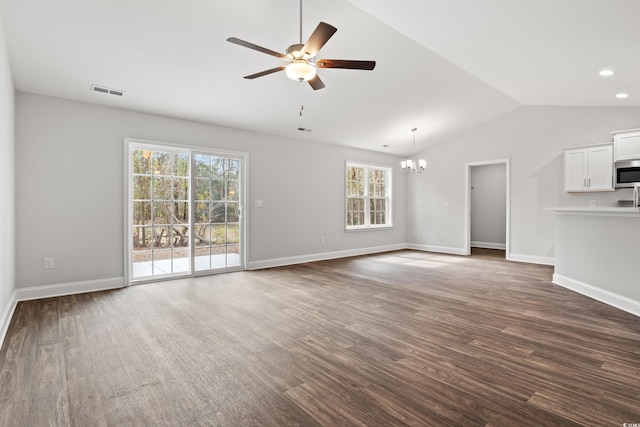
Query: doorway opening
{"x": 487, "y": 207}
{"x": 184, "y": 212}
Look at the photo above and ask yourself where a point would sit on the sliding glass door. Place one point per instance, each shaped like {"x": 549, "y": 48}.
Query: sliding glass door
{"x": 184, "y": 212}
{"x": 217, "y": 212}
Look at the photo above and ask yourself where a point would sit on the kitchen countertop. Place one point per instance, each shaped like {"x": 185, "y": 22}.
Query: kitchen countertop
{"x": 596, "y": 210}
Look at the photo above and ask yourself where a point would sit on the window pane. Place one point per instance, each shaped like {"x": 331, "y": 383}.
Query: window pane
{"x": 232, "y": 212}
{"x": 217, "y": 190}
{"x": 202, "y": 212}
{"x": 161, "y": 237}
{"x": 181, "y": 189}
{"x": 202, "y": 189}
{"x": 142, "y": 187}
{"x": 233, "y": 234}
{"x": 233, "y": 169}
{"x": 217, "y": 168}
{"x": 162, "y": 163}
{"x": 203, "y": 166}
{"x": 219, "y": 235}
{"x": 142, "y": 238}
{"x": 355, "y": 181}
{"x": 180, "y": 212}
{"x": 141, "y": 213}
{"x": 181, "y": 165}
{"x": 141, "y": 161}
{"x": 161, "y": 188}
{"x": 162, "y": 261}
{"x": 202, "y": 234}
{"x": 217, "y": 212}
{"x": 162, "y": 213}
{"x": 232, "y": 190}
{"x": 180, "y": 237}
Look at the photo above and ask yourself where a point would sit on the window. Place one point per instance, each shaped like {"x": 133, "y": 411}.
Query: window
{"x": 368, "y": 196}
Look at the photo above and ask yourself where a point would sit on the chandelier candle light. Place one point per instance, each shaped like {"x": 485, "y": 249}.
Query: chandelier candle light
{"x": 410, "y": 165}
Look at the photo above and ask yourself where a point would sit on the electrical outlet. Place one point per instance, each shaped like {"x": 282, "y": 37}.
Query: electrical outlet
{"x": 593, "y": 203}
{"x": 48, "y": 263}
{"x": 321, "y": 239}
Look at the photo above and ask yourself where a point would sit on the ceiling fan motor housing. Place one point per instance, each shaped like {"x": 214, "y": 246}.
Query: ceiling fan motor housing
{"x": 295, "y": 52}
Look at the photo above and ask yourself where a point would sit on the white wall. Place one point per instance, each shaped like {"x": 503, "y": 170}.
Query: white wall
{"x": 533, "y": 138}
{"x": 70, "y": 171}
{"x": 488, "y": 206}
{"x": 7, "y": 185}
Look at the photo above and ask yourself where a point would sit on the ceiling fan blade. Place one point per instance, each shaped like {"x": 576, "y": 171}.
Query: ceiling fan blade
{"x": 316, "y": 83}
{"x": 345, "y": 63}
{"x": 255, "y": 47}
{"x": 320, "y": 36}
{"x": 265, "y": 72}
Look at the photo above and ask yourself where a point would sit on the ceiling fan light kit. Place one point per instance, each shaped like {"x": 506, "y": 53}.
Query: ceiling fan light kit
{"x": 300, "y": 70}
{"x": 301, "y": 57}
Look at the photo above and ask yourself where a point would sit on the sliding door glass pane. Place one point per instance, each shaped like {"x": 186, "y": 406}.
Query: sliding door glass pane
{"x": 160, "y": 213}
{"x": 217, "y": 212}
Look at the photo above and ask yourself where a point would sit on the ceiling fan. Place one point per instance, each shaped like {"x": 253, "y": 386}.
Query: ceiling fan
{"x": 302, "y": 57}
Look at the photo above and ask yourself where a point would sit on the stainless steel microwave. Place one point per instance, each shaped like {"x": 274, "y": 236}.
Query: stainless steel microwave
{"x": 627, "y": 173}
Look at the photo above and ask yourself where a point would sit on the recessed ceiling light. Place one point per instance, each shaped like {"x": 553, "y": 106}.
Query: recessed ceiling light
{"x": 622, "y": 95}
{"x": 606, "y": 73}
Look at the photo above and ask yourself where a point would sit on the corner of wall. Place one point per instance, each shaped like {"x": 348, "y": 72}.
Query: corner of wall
{"x": 7, "y": 188}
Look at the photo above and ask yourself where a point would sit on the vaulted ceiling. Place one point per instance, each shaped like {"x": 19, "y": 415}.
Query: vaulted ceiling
{"x": 442, "y": 66}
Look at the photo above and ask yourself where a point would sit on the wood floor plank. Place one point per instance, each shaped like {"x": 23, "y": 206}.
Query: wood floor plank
{"x": 404, "y": 338}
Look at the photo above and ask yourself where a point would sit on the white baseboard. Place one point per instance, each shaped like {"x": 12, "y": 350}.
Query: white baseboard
{"x": 532, "y": 259}
{"x": 49, "y": 291}
{"x": 623, "y": 303}
{"x": 279, "y": 262}
{"x": 489, "y": 245}
{"x": 439, "y": 249}
{"x": 7, "y": 314}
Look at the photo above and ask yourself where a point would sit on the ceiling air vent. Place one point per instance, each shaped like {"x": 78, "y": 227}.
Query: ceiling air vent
{"x": 109, "y": 91}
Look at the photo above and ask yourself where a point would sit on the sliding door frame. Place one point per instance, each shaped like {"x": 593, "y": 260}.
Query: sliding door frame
{"x": 243, "y": 157}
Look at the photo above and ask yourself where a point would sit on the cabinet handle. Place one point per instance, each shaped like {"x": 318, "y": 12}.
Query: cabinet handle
{"x": 584, "y": 184}
{"x": 589, "y": 182}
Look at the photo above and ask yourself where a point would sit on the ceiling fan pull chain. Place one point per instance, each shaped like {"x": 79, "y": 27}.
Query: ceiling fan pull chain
{"x": 301, "y": 103}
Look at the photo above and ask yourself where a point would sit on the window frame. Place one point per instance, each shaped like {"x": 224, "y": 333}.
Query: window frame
{"x": 388, "y": 173}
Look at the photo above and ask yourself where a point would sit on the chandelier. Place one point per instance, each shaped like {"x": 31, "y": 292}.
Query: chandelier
{"x": 410, "y": 165}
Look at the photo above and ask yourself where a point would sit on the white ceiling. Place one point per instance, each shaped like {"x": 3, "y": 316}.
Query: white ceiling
{"x": 442, "y": 66}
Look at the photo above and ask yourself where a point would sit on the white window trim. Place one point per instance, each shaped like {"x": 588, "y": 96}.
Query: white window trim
{"x": 389, "y": 196}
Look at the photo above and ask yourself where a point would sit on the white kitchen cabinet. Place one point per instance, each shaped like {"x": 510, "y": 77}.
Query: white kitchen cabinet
{"x": 588, "y": 168}
{"x": 626, "y": 144}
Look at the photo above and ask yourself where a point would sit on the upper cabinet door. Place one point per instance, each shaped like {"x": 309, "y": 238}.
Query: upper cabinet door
{"x": 627, "y": 145}
{"x": 575, "y": 170}
{"x": 600, "y": 177}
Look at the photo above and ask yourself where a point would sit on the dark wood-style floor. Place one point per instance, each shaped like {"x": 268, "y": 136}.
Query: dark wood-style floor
{"x": 397, "y": 339}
